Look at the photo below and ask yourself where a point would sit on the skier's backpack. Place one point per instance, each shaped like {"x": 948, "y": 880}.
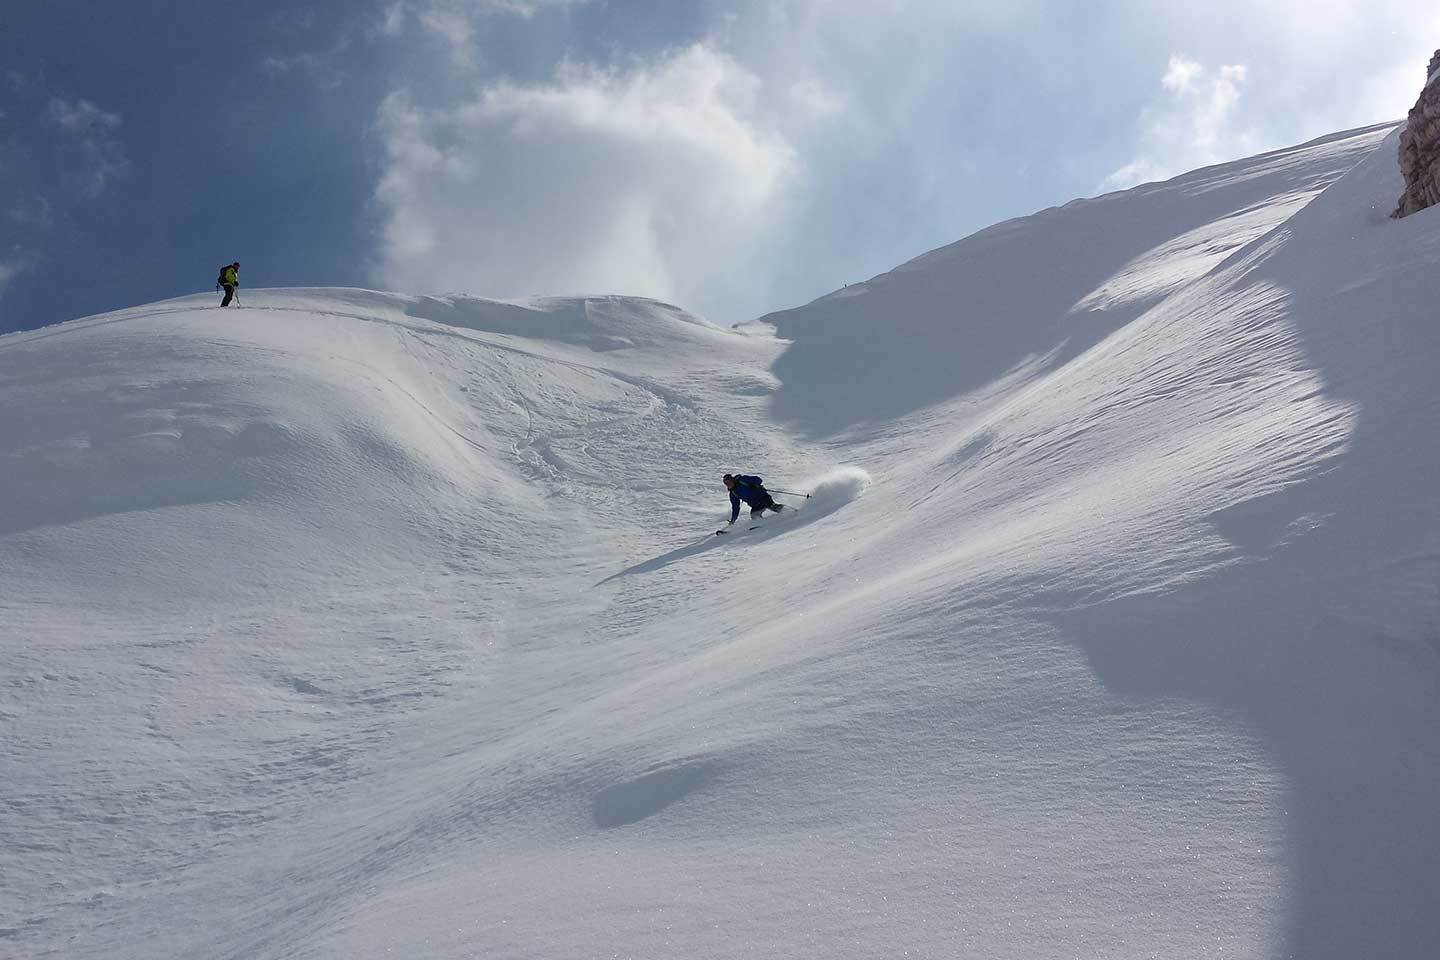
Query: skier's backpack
{"x": 220, "y": 280}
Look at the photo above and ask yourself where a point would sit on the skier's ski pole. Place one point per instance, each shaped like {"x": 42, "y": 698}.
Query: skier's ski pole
{"x": 792, "y": 493}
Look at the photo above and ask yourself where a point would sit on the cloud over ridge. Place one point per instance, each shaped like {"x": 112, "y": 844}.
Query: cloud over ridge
{"x": 585, "y": 183}
{"x": 1199, "y": 124}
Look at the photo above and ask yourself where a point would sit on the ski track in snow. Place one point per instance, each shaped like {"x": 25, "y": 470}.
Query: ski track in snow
{"x": 359, "y": 624}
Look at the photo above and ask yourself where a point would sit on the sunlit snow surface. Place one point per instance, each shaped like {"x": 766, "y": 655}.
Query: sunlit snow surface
{"x": 351, "y": 624}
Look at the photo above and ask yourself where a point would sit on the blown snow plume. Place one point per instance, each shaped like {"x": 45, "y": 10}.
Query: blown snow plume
{"x": 831, "y": 491}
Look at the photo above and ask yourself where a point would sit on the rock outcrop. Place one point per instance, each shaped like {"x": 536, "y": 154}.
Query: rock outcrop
{"x": 1420, "y": 147}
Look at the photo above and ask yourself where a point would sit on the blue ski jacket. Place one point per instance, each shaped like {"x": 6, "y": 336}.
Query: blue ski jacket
{"x": 751, "y": 490}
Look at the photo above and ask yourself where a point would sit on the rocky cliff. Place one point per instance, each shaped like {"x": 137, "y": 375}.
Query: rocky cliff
{"x": 1420, "y": 147}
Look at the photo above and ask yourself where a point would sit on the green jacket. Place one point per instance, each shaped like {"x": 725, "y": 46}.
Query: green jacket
{"x": 230, "y": 276}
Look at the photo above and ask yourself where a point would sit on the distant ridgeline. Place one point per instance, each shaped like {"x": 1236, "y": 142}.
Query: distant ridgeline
{"x": 1420, "y": 147}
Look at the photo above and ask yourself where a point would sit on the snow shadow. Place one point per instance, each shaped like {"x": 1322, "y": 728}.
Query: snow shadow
{"x": 710, "y": 542}
{"x": 157, "y": 444}
{"x": 1345, "y": 707}
{"x": 828, "y": 493}
{"x": 563, "y": 320}
{"x": 601, "y": 323}
{"x": 646, "y": 795}
{"x": 957, "y": 318}
{"x": 1327, "y": 641}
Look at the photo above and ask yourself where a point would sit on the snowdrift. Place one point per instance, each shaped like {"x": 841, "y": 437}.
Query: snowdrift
{"x": 362, "y": 624}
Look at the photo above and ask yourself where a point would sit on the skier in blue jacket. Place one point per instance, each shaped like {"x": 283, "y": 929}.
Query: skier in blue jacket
{"x": 752, "y": 491}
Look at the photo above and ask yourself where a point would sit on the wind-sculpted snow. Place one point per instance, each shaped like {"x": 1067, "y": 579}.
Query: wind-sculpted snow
{"x": 1032, "y": 294}
{"x": 364, "y": 624}
{"x": 600, "y": 323}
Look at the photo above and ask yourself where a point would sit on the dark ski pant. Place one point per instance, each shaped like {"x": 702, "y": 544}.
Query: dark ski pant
{"x": 769, "y": 504}
{"x": 229, "y": 292}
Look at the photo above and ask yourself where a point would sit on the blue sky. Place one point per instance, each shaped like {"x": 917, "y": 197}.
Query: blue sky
{"x": 733, "y": 158}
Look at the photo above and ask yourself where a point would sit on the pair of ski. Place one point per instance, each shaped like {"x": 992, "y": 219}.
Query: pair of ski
{"x": 754, "y": 525}
{"x": 722, "y": 532}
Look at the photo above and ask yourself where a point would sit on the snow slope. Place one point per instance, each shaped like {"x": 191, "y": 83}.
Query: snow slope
{"x": 354, "y": 624}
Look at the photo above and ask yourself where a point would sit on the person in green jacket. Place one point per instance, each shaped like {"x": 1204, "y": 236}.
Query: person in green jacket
{"x": 229, "y": 279}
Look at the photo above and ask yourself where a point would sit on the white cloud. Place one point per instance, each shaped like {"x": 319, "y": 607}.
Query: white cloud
{"x": 815, "y": 101}
{"x": 665, "y": 180}
{"x": 280, "y": 65}
{"x": 392, "y": 20}
{"x": 455, "y": 22}
{"x": 1315, "y": 66}
{"x": 686, "y": 176}
{"x": 524, "y": 8}
{"x": 15, "y": 263}
{"x": 82, "y": 117}
{"x": 93, "y": 132}
{"x": 454, "y": 27}
{"x": 34, "y": 211}
{"x": 1182, "y": 75}
{"x": 328, "y": 66}
{"x": 836, "y": 138}
{"x": 1198, "y": 124}
{"x": 395, "y": 13}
